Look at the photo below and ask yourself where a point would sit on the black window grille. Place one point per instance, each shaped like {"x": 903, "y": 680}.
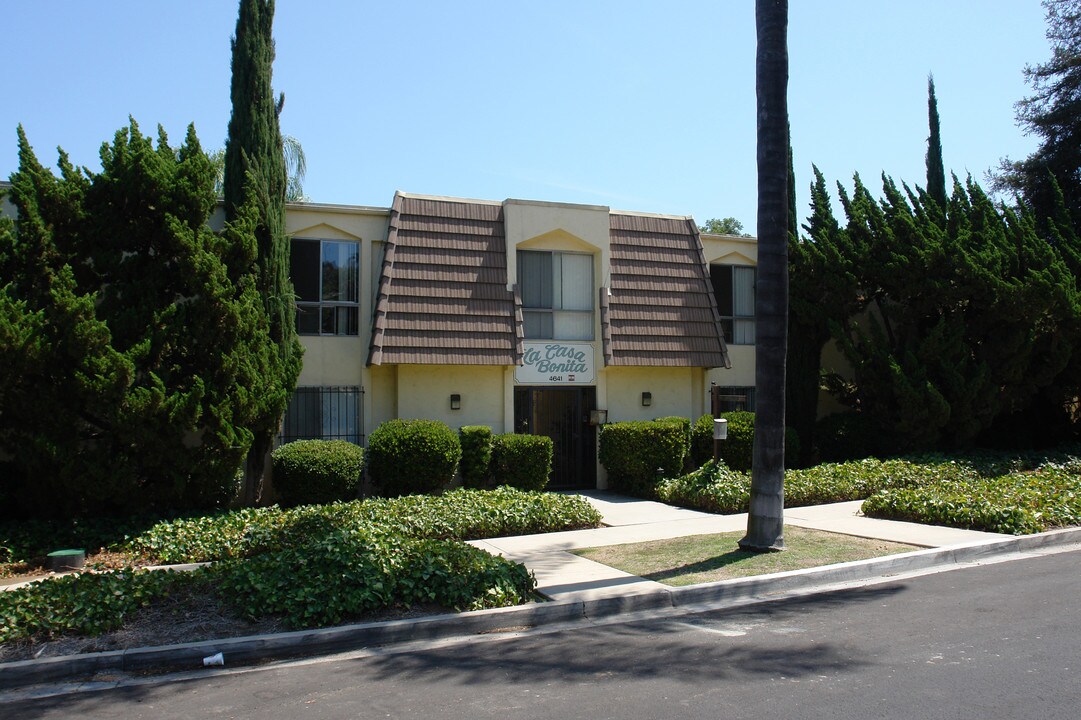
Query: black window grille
{"x": 736, "y": 398}
{"x": 325, "y": 413}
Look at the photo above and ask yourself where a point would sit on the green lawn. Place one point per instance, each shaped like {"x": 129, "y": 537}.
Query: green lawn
{"x": 706, "y": 558}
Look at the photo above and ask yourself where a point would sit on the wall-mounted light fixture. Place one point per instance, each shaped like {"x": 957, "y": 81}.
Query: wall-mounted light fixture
{"x": 647, "y": 399}
{"x": 455, "y": 402}
{"x": 598, "y": 417}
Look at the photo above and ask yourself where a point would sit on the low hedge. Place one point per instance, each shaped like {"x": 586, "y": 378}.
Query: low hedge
{"x": 637, "y": 454}
{"x": 1015, "y": 504}
{"x": 413, "y": 456}
{"x": 476, "y": 441}
{"x": 717, "y": 488}
{"x": 316, "y": 471}
{"x": 457, "y": 515}
{"x": 83, "y": 603}
{"x": 342, "y": 575}
{"x": 522, "y": 461}
{"x": 737, "y": 451}
{"x": 352, "y": 572}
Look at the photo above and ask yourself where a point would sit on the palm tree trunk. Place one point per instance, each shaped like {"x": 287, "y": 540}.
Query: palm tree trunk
{"x": 765, "y": 522}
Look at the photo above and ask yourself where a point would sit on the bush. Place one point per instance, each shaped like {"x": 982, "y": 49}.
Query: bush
{"x": 737, "y": 451}
{"x": 522, "y": 461}
{"x": 413, "y": 456}
{"x": 457, "y": 515}
{"x": 82, "y": 603}
{"x": 316, "y": 471}
{"x": 350, "y": 573}
{"x": 637, "y": 454}
{"x": 851, "y": 436}
{"x": 476, "y": 441}
{"x": 716, "y": 488}
{"x": 1014, "y": 504}
{"x": 702, "y": 440}
{"x": 712, "y": 487}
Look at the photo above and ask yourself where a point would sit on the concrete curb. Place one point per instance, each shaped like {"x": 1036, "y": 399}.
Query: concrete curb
{"x": 246, "y": 650}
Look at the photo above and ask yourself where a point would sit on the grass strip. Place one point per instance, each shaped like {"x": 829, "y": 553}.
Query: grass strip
{"x": 698, "y": 559}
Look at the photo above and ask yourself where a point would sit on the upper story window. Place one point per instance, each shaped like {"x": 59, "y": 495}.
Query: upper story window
{"x": 557, "y": 295}
{"x": 326, "y": 279}
{"x": 733, "y": 286}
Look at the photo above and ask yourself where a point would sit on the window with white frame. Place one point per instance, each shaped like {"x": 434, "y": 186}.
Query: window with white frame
{"x": 557, "y": 295}
{"x": 733, "y": 286}
{"x": 326, "y": 280}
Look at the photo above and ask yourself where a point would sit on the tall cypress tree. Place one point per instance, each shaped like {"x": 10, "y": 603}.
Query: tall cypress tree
{"x": 936, "y": 171}
{"x": 255, "y": 172}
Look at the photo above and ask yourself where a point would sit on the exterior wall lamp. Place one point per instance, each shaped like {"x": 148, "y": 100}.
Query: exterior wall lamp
{"x": 647, "y": 399}
{"x": 598, "y": 417}
{"x": 455, "y": 402}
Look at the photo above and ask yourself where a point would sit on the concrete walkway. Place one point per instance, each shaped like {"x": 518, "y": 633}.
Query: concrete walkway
{"x": 561, "y": 575}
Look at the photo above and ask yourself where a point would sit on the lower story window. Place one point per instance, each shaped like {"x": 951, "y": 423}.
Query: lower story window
{"x": 324, "y": 413}
{"x": 735, "y": 399}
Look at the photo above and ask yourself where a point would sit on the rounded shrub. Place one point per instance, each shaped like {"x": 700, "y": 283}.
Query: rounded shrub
{"x": 737, "y": 451}
{"x": 476, "y": 443}
{"x": 522, "y": 461}
{"x": 637, "y": 454}
{"x": 406, "y": 457}
{"x": 702, "y": 440}
{"x": 316, "y": 471}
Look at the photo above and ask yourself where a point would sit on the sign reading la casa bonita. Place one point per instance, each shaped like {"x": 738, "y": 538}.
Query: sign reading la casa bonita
{"x": 555, "y": 363}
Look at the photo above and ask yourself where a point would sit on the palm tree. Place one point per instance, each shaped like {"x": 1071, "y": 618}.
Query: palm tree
{"x": 296, "y": 166}
{"x": 765, "y": 522}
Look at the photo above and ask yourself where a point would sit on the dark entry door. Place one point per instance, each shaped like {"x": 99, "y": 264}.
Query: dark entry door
{"x": 562, "y": 414}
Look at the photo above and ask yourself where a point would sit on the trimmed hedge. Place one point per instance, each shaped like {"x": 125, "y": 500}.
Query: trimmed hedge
{"x": 637, "y": 454}
{"x": 738, "y": 450}
{"x": 476, "y": 441}
{"x": 413, "y": 456}
{"x": 522, "y": 461}
{"x": 316, "y": 471}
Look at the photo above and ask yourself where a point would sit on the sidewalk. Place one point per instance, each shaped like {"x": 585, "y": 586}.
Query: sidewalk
{"x": 562, "y": 575}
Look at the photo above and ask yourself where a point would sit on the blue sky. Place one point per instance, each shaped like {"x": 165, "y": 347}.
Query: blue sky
{"x": 637, "y": 105}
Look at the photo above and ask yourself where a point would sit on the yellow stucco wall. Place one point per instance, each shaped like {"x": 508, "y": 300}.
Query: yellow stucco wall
{"x": 741, "y": 374}
{"x": 674, "y": 391}
{"x": 424, "y": 392}
{"x": 333, "y": 360}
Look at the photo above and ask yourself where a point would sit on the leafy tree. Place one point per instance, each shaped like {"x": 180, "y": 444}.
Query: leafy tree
{"x": 130, "y": 333}
{"x": 255, "y": 168}
{"x": 1053, "y": 114}
{"x": 936, "y": 171}
{"x": 723, "y": 226}
{"x": 961, "y": 322}
{"x": 824, "y": 268}
{"x": 765, "y": 521}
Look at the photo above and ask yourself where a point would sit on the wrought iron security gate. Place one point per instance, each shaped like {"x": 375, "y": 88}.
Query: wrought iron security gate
{"x": 562, "y": 414}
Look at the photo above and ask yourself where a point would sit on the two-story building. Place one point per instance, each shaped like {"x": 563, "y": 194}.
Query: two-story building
{"x": 525, "y": 316}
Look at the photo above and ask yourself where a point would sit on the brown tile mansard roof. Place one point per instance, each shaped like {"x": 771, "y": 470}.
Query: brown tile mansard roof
{"x": 443, "y": 295}
{"x": 661, "y": 310}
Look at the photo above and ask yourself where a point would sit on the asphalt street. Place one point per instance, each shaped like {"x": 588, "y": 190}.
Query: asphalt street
{"x": 1001, "y": 640}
